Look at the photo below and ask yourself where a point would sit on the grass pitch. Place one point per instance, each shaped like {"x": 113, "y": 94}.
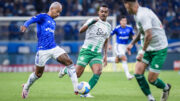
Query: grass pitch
{"x": 112, "y": 86}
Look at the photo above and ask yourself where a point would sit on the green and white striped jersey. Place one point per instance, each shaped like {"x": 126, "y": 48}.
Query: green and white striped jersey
{"x": 96, "y": 35}
{"x": 146, "y": 19}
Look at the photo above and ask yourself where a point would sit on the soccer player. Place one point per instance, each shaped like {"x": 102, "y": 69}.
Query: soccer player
{"x": 154, "y": 48}
{"x": 97, "y": 33}
{"x": 47, "y": 47}
{"x": 123, "y": 33}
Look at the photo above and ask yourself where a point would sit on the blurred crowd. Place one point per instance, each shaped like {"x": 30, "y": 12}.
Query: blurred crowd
{"x": 167, "y": 10}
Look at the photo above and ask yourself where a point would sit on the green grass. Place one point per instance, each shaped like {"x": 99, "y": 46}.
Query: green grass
{"x": 112, "y": 86}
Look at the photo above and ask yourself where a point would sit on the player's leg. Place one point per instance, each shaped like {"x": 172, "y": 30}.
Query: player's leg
{"x": 139, "y": 75}
{"x": 97, "y": 69}
{"x": 143, "y": 84}
{"x": 125, "y": 67}
{"x": 96, "y": 66}
{"x": 114, "y": 59}
{"x": 122, "y": 56}
{"x": 61, "y": 56}
{"x": 69, "y": 69}
{"x": 40, "y": 61}
{"x": 156, "y": 65}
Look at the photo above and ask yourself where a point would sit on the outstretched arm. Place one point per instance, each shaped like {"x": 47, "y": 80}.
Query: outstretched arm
{"x": 87, "y": 24}
{"x": 30, "y": 21}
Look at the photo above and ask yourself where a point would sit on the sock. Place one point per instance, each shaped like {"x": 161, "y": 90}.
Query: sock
{"x": 32, "y": 78}
{"x": 71, "y": 71}
{"x": 125, "y": 67}
{"x": 159, "y": 84}
{"x": 166, "y": 87}
{"x": 150, "y": 97}
{"x": 65, "y": 70}
{"x": 94, "y": 79}
{"x": 111, "y": 59}
{"x": 143, "y": 84}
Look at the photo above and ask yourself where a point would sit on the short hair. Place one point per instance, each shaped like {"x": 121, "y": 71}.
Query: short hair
{"x": 122, "y": 17}
{"x": 129, "y": 1}
{"x": 55, "y": 4}
{"x": 104, "y": 5}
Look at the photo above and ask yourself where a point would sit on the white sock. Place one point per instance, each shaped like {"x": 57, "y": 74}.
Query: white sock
{"x": 150, "y": 97}
{"x": 72, "y": 74}
{"x": 166, "y": 87}
{"x": 32, "y": 78}
{"x": 111, "y": 59}
{"x": 125, "y": 67}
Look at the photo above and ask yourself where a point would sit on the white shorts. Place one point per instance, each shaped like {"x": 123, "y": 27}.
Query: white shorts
{"x": 120, "y": 50}
{"x": 42, "y": 56}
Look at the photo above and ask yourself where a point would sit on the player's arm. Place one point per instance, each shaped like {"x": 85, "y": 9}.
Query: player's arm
{"x": 105, "y": 52}
{"x": 87, "y": 24}
{"x": 147, "y": 39}
{"x": 109, "y": 43}
{"x": 30, "y": 21}
{"x": 147, "y": 27}
{"x": 136, "y": 38}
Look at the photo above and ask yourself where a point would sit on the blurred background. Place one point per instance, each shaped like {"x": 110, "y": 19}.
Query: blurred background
{"x": 18, "y": 49}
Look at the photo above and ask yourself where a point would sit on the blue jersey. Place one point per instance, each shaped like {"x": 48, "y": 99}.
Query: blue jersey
{"x": 122, "y": 34}
{"x": 45, "y": 30}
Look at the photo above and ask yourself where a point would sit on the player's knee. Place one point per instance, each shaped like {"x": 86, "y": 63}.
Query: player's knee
{"x": 123, "y": 58}
{"x": 78, "y": 75}
{"x": 68, "y": 62}
{"x": 117, "y": 60}
{"x": 98, "y": 71}
{"x": 39, "y": 75}
{"x": 151, "y": 80}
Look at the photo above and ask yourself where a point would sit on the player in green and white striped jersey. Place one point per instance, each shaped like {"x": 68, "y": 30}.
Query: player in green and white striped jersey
{"x": 97, "y": 34}
{"x": 154, "y": 48}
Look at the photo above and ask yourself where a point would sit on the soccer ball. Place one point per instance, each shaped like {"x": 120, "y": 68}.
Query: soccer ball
{"x": 83, "y": 87}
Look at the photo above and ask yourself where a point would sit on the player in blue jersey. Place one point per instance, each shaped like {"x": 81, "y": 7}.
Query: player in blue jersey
{"x": 123, "y": 33}
{"x": 47, "y": 47}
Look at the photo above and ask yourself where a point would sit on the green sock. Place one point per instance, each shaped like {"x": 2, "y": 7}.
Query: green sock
{"x": 94, "y": 80}
{"x": 143, "y": 84}
{"x": 65, "y": 70}
{"x": 159, "y": 83}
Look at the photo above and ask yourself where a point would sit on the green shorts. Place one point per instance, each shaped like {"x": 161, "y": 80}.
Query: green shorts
{"x": 155, "y": 59}
{"x": 88, "y": 57}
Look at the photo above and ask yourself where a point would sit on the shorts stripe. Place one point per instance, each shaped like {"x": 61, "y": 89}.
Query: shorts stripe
{"x": 145, "y": 61}
{"x": 154, "y": 70}
{"x": 81, "y": 63}
{"x": 37, "y": 58}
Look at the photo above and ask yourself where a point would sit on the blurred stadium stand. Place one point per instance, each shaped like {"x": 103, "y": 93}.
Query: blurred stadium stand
{"x": 20, "y": 48}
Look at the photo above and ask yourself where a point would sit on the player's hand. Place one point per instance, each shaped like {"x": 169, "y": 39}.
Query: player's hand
{"x": 105, "y": 60}
{"x": 23, "y": 28}
{"x": 129, "y": 47}
{"x": 139, "y": 57}
{"x": 110, "y": 47}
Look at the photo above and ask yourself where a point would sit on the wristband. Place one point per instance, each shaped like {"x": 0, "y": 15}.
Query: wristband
{"x": 141, "y": 52}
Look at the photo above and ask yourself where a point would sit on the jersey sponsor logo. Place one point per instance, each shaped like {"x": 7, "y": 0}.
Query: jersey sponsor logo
{"x": 125, "y": 37}
{"x": 101, "y": 32}
{"x": 50, "y": 30}
{"x": 51, "y": 22}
